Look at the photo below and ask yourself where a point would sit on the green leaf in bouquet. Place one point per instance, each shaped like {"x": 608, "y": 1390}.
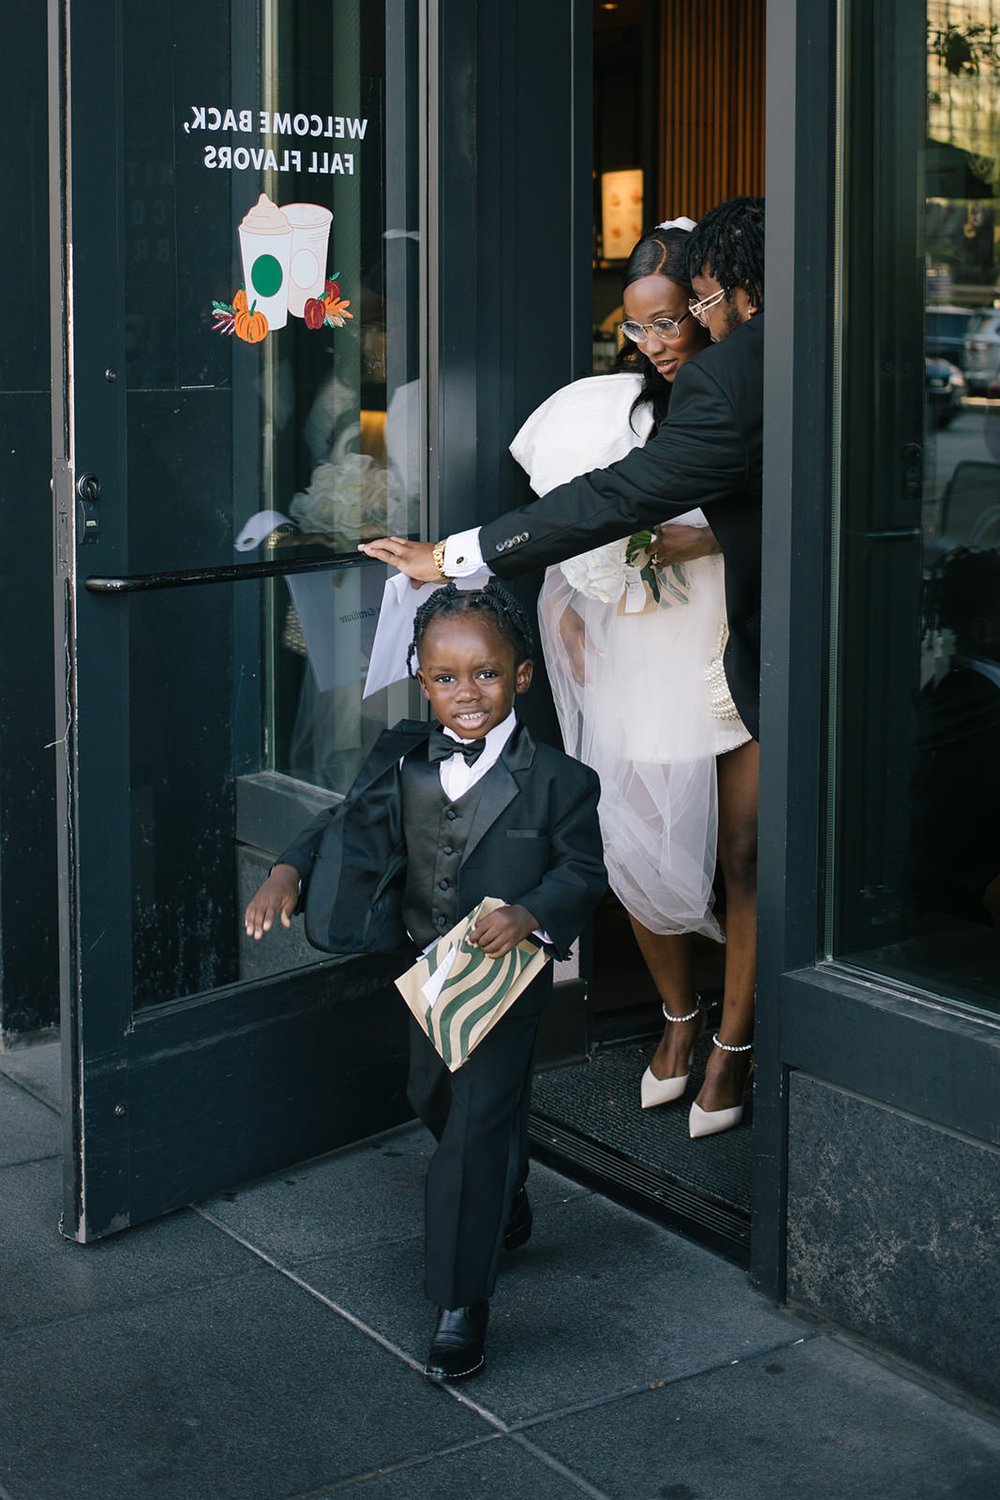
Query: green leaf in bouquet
{"x": 640, "y": 541}
{"x": 648, "y": 576}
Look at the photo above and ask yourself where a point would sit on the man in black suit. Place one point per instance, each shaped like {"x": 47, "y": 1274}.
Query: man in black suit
{"x": 707, "y": 453}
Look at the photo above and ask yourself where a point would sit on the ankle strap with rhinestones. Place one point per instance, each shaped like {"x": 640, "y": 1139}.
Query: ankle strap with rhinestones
{"x": 747, "y": 1046}
{"x": 678, "y": 1019}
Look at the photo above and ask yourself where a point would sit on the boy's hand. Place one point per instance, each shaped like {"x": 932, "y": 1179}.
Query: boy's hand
{"x": 502, "y": 930}
{"x": 277, "y": 897}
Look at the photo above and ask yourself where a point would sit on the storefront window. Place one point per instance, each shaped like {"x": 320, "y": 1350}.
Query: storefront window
{"x": 914, "y": 871}
{"x": 269, "y": 294}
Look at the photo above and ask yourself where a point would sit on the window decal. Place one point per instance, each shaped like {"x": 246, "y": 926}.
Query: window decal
{"x": 284, "y": 254}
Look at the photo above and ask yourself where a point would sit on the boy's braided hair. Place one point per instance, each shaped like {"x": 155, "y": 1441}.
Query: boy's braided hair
{"x": 728, "y": 243}
{"x": 494, "y": 600}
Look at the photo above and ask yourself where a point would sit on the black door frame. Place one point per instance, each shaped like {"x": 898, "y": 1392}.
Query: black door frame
{"x": 857, "y": 1032}
{"x": 801, "y": 70}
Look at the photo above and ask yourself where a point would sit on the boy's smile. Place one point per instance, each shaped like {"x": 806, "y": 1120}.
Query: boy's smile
{"x": 469, "y": 674}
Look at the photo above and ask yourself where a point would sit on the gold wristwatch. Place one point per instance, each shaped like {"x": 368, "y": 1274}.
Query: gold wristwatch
{"x": 437, "y": 552}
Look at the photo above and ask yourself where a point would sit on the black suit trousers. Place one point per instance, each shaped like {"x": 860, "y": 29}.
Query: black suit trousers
{"x": 479, "y": 1116}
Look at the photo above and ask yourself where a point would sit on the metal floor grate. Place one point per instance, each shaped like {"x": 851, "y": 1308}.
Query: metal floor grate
{"x": 587, "y": 1117}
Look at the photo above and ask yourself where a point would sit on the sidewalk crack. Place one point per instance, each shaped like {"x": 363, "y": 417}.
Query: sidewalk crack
{"x": 342, "y": 1312}
{"x": 551, "y": 1462}
{"x": 401, "y": 1465}
{"x": 560, "y": 1413}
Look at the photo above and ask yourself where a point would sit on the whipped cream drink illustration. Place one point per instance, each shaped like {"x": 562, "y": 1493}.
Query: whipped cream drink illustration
{"x": 310, "y": 238}
{"x": 266, "y": 249}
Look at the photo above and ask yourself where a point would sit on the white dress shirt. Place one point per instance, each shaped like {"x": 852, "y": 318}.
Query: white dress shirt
{"x": 462, "y": 556}
{"x": 457, "y": 775}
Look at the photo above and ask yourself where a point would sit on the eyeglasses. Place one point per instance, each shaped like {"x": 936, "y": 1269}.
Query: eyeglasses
{"x": 699, "y": 309}
{"x": 667, "y": 329}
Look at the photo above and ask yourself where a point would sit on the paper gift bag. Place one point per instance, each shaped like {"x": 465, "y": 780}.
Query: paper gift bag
{"x": 458, "y": 993}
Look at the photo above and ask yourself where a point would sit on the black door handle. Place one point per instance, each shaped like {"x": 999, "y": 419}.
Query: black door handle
{"x": 141, "y": 583}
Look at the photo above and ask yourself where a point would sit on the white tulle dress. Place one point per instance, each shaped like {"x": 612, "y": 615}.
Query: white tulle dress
{"x": 643, "y": 715}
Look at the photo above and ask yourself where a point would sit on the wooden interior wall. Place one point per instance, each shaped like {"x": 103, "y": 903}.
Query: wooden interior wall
{"x": 711, "y": 103}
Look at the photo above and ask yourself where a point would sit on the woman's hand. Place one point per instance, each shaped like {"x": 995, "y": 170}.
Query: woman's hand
{"x": 502, "y": 930}
{"x": 574, "y": 637}
{"x": 677, "y": 543}
{"x": 277, "y": 897}
{"x": 415, "y": 559}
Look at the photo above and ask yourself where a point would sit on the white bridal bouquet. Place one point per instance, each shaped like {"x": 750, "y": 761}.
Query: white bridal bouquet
{"x": 347, "y": 495}
{"x": 622, "y": 573}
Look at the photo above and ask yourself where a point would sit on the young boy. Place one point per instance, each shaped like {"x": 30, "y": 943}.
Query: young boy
{"x": 438, "y": 818}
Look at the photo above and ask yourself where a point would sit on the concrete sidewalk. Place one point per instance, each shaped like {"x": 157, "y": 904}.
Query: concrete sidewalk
{"x": 267, "y": 1345}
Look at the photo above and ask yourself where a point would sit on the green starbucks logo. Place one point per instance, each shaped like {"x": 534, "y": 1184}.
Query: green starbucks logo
{"x": 266, "y": 275}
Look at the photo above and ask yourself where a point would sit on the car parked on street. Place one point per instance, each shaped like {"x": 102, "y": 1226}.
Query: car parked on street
{"x": 982, "y": 350}
{"x": 944, "y": 385}
{"x": 944, "y": 332}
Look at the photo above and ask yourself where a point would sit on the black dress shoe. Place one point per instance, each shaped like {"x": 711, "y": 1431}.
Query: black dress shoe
{"x": 458, "y": 1348}
{"x": 518, "y": 1231}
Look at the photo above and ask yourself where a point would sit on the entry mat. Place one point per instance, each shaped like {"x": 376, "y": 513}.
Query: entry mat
{"x": 587, "y": 1115}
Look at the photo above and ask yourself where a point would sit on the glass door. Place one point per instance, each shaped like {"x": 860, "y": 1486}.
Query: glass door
{"x": 237, "y": 402}
{"x": 914, "y": 866}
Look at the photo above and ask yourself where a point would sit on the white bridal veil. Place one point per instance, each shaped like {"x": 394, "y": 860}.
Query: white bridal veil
{"x": 628, "y": 672}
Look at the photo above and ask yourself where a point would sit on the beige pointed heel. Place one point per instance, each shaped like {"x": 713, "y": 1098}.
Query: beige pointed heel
{"x": 703, "y": 1122}
{"x": 655, "y": 1091}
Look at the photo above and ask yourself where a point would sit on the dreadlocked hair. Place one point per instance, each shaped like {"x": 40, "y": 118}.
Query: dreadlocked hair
{"x": 493, "y": 600}
{"x": 964, "y": 587}
{"x": 728, "y": 243}
{"x": 661, "y": 252}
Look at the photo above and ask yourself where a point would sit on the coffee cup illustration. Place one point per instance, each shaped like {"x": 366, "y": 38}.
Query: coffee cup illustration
{"x": 310, "y": 240}
{"x": 266, "y": 251}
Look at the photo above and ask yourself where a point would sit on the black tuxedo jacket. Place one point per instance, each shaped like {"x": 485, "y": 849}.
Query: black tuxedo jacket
{"x": 707, "y": 453}
{"x": 534, "y": 840}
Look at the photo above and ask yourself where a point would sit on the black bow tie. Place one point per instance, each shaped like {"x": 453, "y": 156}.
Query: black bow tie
{"x": 440, "y": 746}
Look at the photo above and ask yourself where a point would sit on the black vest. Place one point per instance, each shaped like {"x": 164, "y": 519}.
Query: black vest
{"x": 435, "y": 831}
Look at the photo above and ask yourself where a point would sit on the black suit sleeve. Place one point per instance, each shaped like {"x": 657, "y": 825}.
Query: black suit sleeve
{"x": 699, "y": 456}
{"x": 302, "y": 851}
{"x": 362, "y": 806}
{"x": 576, "y": 879}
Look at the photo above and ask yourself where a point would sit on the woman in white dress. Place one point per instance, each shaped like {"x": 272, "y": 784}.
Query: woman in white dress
{"x": 633, "y": 653}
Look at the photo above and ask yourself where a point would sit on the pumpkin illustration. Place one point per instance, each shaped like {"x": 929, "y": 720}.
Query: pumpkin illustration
{"x": 251, "y": 326}
{"x": 314, "y": 313}
{"x": 240, "y": 301}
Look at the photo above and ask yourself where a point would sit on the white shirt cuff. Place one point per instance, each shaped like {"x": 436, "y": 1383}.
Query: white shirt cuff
{"x": 462, "y": 553}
